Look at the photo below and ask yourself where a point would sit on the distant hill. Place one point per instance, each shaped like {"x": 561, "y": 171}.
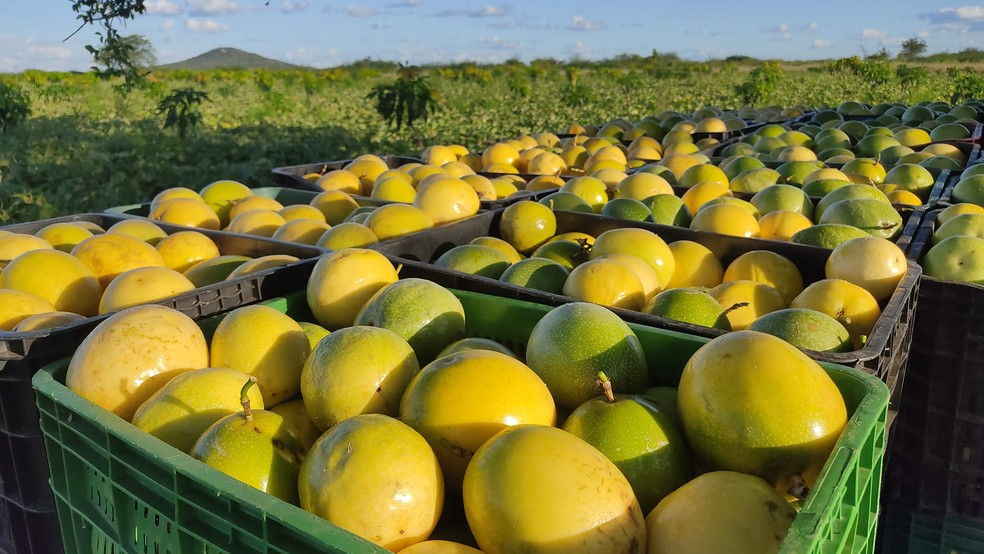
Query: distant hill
{"x": 228, "y": 58}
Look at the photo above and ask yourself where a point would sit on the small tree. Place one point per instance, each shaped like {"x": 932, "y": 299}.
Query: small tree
{"x": 912, "y": 48}
{"x": 114, "y": 52}
{"x": 405, "y": 101}
{"x": 15, "y": 106}
{"x": 142, "y": 54}
{"x": 181, "y": 109}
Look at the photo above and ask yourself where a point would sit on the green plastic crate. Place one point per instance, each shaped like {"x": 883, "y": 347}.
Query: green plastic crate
{"x": 122, "y": 491}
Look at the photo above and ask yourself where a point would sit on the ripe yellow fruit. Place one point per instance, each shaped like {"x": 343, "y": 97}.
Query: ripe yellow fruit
{"x": 854, "y": 307}
{"x": 48, "y": 320}
{"x": 180, "y": 411}
{"x": 782, "y": 225}
{"x": 260, "y": 341}
{"x": 367, "y": 168}
{"x": 15, "y": 244}
{"x": 701, "y": 193}
{"x": 544, "y": 182}
{"x": 301, "y": 211}
{"x": 64, "y": 236}
{"x": 109, "y": 255}
{"x": 518, "y": 499}
{"x": 500, "y": 245}
{"x": 304, "y": 231}
{"x": 335, "y": 205}
{"x": 388, "y": 488}
{"x": 499, "y": 153}
{"x": 746, "y": 301}
{"x": 395, "y": 220}
{"x": 437, "y": 154}
{"x": 132, "y": 354}
{"x": 527, "y": 225}
{"x": 447, "y": 200}
{"x": 182, "y": 250}
{"x": 141, "y": 286}
{"x": 340, "y": 180}
{"x": 590, "y": 189}
{"x": 483, "y": 186}
{"x": 504, "y": 188}
{"x": 641, "y": 243}
{"x": 720, "y": 511}
{"x": 694, "y": 266}
{"x": 606, "y": 282}
{"x": 140, "y": 229}
{"x": 262, "y": 223}
{"x": 651, "y": 285}
{"x": 678, "y": 163}
{"x": 16, "y": 306}
{"x": 347, "y": 235}
{"x": 60, "y": 278}
{"x": 189, "y": 212}
{"x": 875, "y": 264}
{"x": 255, "y": 202}
{"x": 459, "y": 401}
{"x": 220, "y": 196}
{"x": 262, "y": 263}
{"x": 342, "y": 282}
{"x": 171, "y": 193}
{"x": 764, "y": 266}
{"x": 640, "y": 186}
{"x": 439, "y": 547}
{"x": 753, "y": 403}
{"x": 726, "y": 219}
{"x": 418, "y": 174}
{"x": 394, "y": 190}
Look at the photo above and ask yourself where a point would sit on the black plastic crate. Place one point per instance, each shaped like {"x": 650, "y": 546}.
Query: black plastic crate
{"x": 936, "y": 465}
{"x": 884, "y": 355}
{"x": 906, "y": 532}
{"x": 28, "y": 520}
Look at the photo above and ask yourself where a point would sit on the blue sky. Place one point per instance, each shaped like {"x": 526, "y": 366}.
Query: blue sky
{"x": 327, "y": 33}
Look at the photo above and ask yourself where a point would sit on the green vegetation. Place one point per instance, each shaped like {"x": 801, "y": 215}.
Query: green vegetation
{"x": 85, "y": 148}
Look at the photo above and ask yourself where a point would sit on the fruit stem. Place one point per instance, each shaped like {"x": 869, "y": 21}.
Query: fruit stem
{"x": 735, "y": 306}
{"x": 244, "y": 398}
{"x": 399, "y": 268}
{"x": 606, "y": 385}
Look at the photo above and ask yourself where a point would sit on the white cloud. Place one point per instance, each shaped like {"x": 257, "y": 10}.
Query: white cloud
{"x": 361, "y": 11}
{"x": 874, "y": 34}
{"x": 923, "y": 34}
{"x": 488, "y": 11}
{"x": 20, "y": 53}
{"x": 812, "y": 26}
{"x": 213, "y": 7}
{"x": 782, "y": 31}
{"x": 581, "y": 24}
{"x": 963, "y": 14}
{"x": 497, "y": 42}
{"x": 289, "y": 6}
{"x": 205, "y": 26}
{"x": 381, "y": 25}
{"x": 168, "y": 24}
{"x": 821, "y": 43}
{"x": 162, "y": 7}
{"x": 405, "y": 4}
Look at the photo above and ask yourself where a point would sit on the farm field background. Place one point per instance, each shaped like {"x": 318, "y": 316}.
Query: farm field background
{"x": 85, "y": 148}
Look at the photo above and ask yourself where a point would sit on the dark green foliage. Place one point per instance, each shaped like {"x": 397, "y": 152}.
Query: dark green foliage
{"x": 180, "y": 109}
{"x": 15, "y": 106}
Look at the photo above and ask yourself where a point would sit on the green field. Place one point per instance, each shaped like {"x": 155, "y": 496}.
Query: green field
{"x": 86, "y": 148}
